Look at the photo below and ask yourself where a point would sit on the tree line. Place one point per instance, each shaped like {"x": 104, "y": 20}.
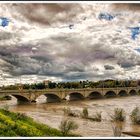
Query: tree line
{"x": 75, "y": 84}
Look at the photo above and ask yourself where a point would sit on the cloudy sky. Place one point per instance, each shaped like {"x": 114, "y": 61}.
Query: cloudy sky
{"x": 66, "y": 42}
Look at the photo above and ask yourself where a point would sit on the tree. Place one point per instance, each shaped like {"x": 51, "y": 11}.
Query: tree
{"x": 52, "y": 85}
{"x": 85, "y": 113}
{"x": 66, "y": 126}
{"x": 119, "y": 115}
{"x": 26, "y": 86}
{"x": 40, "y": 85}
{"x": 138, "y": 82}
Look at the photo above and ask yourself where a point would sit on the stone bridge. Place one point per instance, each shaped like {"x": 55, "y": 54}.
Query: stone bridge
{"x": 54, "y": 95}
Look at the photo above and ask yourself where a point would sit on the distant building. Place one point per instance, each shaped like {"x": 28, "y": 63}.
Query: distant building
{"x": 47, "y": 82}
{"x": 20, "y": 86}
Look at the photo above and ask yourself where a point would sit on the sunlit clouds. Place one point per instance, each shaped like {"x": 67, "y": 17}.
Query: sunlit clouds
{"x": 68, "y": 42}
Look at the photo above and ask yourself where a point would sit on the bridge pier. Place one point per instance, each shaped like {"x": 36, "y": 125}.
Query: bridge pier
{"x": 33, "y": 101}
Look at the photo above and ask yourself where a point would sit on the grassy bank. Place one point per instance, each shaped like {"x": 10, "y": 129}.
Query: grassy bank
{"x": 17, "y": 124}
{"x": 5, "y": 98}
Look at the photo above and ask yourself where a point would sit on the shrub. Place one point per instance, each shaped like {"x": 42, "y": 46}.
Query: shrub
{"x": 5, "y": 98}
{"x": 135, "y": 116}
{"x": 66, "y": 126}
{"x": 84, "y": 113}
{"x": 117, "y": 130}
{"x": 6, "y": 107}
{"x": 6, "y": 131}
{"x": 12, "y": 115}
{"x": 24, "y": 129}
{"x": 7, "y": 120}
{"x": 46, "y": 129}
{"x": 16, "y": 116}
{"x": 97, "y": 117}
{"x": 22, "y": 116}
{"x": 119, "y": 115}
{"x": 69, "y": 112}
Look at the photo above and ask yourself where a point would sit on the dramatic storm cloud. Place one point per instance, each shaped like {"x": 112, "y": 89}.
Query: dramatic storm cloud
{"x": 69, "y": 42}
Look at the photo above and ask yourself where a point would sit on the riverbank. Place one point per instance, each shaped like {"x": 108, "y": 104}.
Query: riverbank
{"x": 17, "y": 124}
{"x": 5, "y": 98}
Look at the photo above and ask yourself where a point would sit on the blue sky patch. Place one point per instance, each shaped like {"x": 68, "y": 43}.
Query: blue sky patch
{"x": 4, "y": 21}
{"x": 105, "y": 16}
{"x": 135, "y": 31}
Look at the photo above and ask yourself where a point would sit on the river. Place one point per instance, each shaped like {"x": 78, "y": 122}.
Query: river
{"x": 52, "y": 113}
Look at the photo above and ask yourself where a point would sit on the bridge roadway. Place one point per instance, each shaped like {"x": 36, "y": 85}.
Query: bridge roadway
{"x": 54, "y": 95}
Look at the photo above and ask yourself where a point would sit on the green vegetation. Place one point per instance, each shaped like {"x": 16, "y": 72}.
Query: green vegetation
{"x": 119, "y": 115}
{"x": 6, "y": 107}
{"x": 17, "y": 124}
{"x": 117, "y": 130}
{"x": 5, "y": 98}
{"x": 97, "y": 117}
{"x": 66, "y": 126}
{"x": 69, "y": 112}
{"x": 76, "y": 84}
{"x": 135, "y": 115}
{"x": 84, "y": 113}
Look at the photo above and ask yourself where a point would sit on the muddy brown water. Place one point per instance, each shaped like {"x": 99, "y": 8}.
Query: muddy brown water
{"x": 52, "y": 113}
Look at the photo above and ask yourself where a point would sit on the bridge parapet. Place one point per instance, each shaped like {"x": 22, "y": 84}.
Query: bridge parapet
{"x": 62, "y": 93}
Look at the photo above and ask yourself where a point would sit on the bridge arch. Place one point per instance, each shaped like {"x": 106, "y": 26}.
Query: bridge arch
{"x": 75, "y": 96}
{"x": 20, "y": 98}
{"x": 110, "y": 94}
{"x": 132, "y": 92}
{"x": 51, "y": 97}
{"x": 122, "y": 93}
{"x": 95, "y": 95}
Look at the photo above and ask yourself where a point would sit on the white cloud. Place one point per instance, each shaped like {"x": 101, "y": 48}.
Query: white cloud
{"x": 42, "y": 46}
